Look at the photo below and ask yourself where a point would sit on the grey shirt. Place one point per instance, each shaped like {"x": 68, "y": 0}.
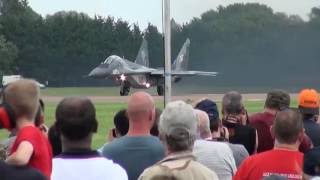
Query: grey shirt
{"x": 240, "y": 153}
{"x": 217, "y": 156}
{"x": 134, "y": 153}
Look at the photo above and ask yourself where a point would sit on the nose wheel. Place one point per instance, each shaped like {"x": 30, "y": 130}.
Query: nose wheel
{"x": 125, "y": 88}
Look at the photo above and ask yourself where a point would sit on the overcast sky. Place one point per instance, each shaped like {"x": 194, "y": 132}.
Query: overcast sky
{"x": 144, "y": 11}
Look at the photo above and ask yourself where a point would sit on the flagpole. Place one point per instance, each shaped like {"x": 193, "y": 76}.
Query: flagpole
{"x": 167, "y": 51}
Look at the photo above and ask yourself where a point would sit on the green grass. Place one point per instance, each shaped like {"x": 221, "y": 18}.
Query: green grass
{"x": 75, "y": 91}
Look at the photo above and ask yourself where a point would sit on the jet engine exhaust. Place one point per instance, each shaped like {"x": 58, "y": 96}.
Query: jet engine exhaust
{"x": 122, "y": 77}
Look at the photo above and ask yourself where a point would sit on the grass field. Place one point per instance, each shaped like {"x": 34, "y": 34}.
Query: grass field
{"x": 105, "y": 111}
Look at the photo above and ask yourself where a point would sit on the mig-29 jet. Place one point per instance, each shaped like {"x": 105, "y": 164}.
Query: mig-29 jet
{"x": 139, "y": 75}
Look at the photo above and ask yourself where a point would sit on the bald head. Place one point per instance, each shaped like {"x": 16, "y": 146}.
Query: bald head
{"x": 287, "y": 126}
{"x": 23, "y": 97}
{"x": 204, "y": 124}
{"x": 140, "y": 104}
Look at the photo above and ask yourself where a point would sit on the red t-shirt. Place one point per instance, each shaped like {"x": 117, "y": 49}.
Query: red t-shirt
{"x": 263, "y": 122}
{"x": 41, "y": 158}
{"x": 274, "y": 162}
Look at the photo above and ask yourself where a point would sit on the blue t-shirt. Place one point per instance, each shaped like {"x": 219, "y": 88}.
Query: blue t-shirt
{"x": 134, "y": 153}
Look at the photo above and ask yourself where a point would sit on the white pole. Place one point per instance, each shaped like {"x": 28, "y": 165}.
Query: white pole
{"x": 167, "y": 51}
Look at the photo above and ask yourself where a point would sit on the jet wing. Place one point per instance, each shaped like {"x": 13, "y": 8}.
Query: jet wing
{"x": 141, "y": 71}
{"x": 185, "y": 73}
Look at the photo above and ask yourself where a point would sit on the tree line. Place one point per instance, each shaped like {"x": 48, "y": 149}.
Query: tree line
{"x": 249, "y": 44}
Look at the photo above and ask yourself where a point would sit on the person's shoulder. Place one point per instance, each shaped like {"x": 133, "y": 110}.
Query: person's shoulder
{"x": 245, "y": 129}
{"x": 115, "y": 143}
{"x": 152, "y": 171}
{"x": 28, "y": 130}
{"x": 204, "y": 170}
{"x": 211, "y": 144}
{"x": 256, "y": 115}
{"x": 260, "y": 117}
{"x": 30, "y": 134}
{"x": 109, "y": 164}
{"x": 114, "y": 146}
{"x": 152, "y": 141}
{"x": 238, "y": 148}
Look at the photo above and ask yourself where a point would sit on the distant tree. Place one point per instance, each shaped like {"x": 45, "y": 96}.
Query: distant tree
{"x": 156, "y": 48}
{"x": 249, "y": 44}
{"x": 8, "y": 55}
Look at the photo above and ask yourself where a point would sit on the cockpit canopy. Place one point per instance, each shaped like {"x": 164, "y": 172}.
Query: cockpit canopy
{"x": 110, "y": 59}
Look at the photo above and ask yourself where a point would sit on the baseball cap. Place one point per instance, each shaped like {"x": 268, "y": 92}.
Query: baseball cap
{"x": 209, "y": 107}
{"x": 311, "y": 164}
{"x": 178, "y": 116}
{"x": 309, "y": 101}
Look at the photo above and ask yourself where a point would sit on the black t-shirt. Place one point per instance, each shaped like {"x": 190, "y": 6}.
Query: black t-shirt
{"x": 8, "y": 172}
{"x": 244, "y": 135}
{"x": 312, "y": 129}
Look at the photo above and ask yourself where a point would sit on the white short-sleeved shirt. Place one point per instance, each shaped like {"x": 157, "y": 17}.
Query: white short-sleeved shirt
{"x": 85, "y": 166}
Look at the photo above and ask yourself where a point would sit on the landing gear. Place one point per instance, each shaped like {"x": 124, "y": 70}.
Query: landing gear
{"x": 160, "y": 90}
{"x": 125, "y": 88}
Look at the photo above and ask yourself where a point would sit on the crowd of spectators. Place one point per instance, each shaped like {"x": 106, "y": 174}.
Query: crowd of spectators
{"x": 181, "y": 142}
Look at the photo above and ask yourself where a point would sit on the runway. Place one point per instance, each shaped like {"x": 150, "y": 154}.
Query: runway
{"x": 188, "y": 97}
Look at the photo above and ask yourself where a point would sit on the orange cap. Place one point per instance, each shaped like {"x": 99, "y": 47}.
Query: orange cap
{"x": 309, "y": 101}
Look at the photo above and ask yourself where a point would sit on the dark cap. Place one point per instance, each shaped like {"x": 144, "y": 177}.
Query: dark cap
{"x": 311, "y": 164}
{"x": 209, "y": 107}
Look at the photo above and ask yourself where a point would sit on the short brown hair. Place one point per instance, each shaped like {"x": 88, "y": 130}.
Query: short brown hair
{"x": 288, "y": 125}
{"x": 23, "y": 97}
{"x": 278, "y": 100}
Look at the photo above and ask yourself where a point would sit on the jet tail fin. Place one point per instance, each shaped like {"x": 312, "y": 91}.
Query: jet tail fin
{"x": 181, "y": 62}
{"x": 143, "y": 54}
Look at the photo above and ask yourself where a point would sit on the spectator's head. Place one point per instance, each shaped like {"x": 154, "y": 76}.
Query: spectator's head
{"x": 23, "y": 97}
{"x": 154, "y": 130}
{"x": 121, "y": 122}
{"x": 211, "y": 109}
{"x": 309, "y": 103}
{"x": 232, "y": 103}
{"x": 76, "y": 121}
{"x": 288, "y": 127}
{"x": 204, "y": 124}
{"x": 141, "y": 113}
{"x": 233, "y": 109}
{"x": 277, "y": 100}
{"x": 311, "y": 164}
{"x": 178, "y": 126}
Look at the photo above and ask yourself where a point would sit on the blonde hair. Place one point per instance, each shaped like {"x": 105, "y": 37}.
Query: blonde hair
{"x": 23, "y": 97}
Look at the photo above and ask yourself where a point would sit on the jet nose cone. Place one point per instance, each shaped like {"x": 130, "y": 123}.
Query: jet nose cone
{"x": 97, "y": 72}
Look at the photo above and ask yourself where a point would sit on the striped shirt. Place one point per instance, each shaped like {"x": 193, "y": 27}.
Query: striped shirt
{"x": 217, "y": 156}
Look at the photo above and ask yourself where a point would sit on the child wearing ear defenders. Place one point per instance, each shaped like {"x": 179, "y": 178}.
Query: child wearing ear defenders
{"x": 31, "y": 147}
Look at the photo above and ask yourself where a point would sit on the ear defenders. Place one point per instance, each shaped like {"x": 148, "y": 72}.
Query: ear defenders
{"x": 7, "y": 117}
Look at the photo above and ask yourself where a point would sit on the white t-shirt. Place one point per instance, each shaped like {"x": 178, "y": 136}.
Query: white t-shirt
{"x": 86, "y": 167}
{"x": 216, "y": 156}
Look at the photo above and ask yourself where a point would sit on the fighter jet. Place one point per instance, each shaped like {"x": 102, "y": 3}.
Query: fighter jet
{"x": 139, "y": 75}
